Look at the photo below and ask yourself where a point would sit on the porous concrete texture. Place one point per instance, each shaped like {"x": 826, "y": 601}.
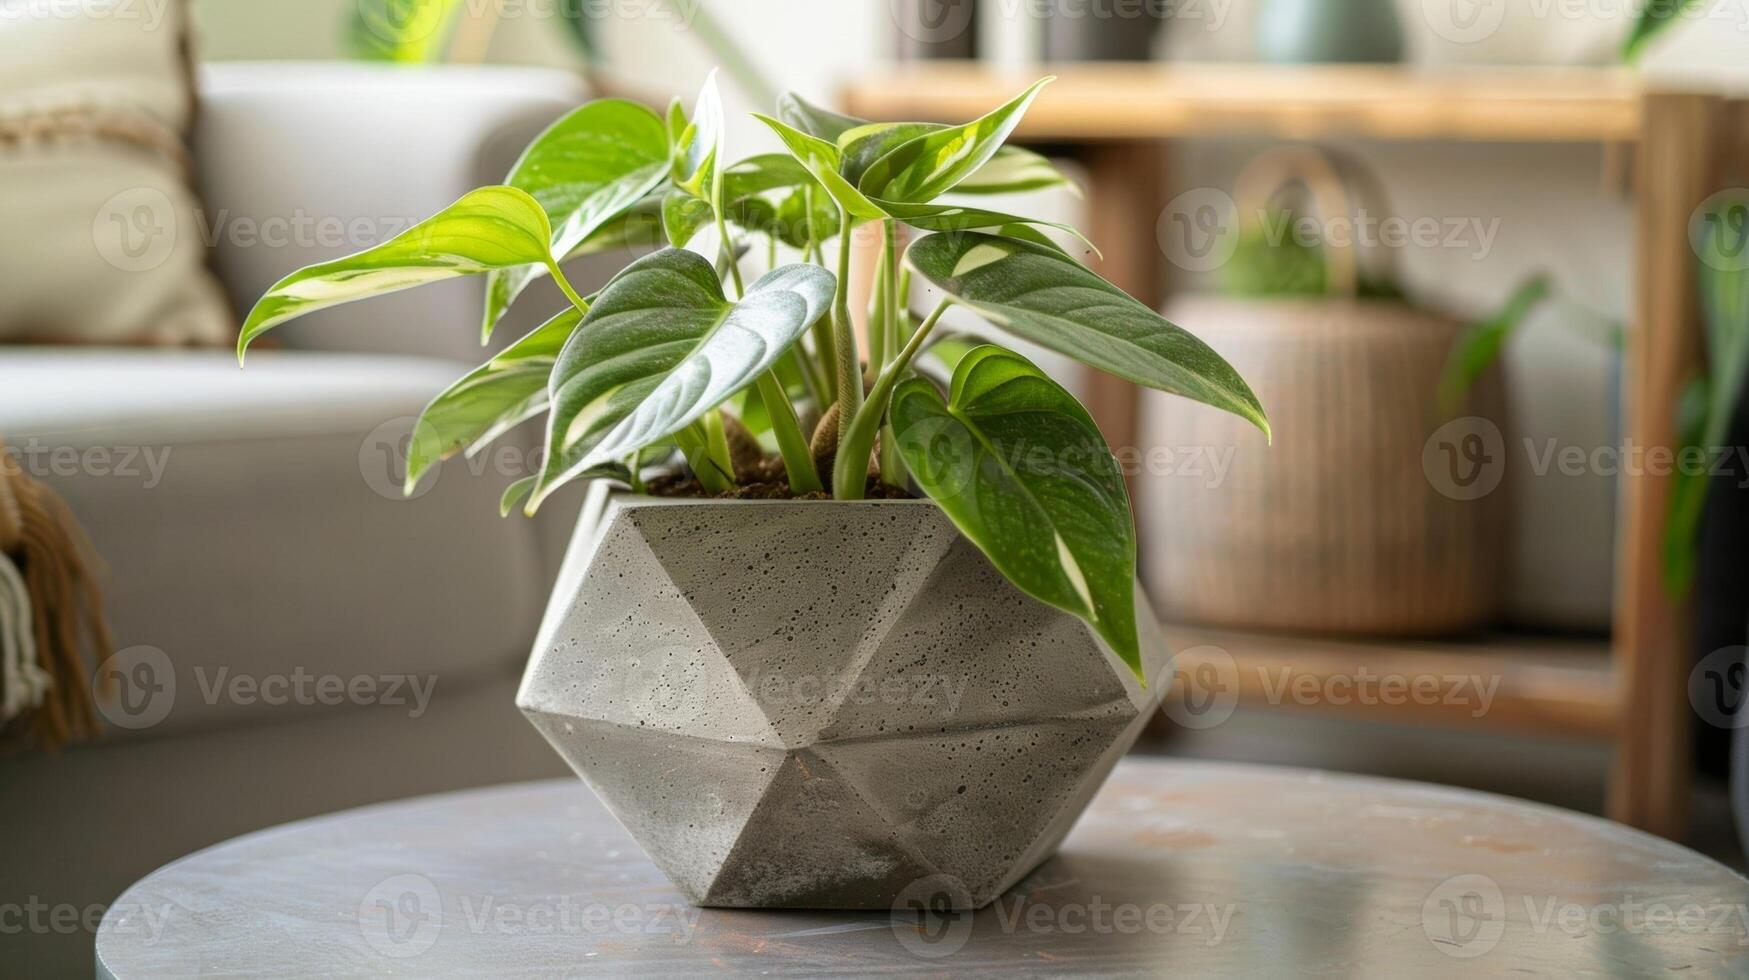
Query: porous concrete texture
{"x": 827, "y": 704}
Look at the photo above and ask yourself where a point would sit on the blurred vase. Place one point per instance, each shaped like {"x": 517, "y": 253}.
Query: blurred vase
{"x": 1097, "y": 32}
{"x": 1314, "y": 31}
{"x": 935, "y": 29}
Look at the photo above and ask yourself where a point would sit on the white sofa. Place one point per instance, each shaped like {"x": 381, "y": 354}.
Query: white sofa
{"x": 256, "y": 533}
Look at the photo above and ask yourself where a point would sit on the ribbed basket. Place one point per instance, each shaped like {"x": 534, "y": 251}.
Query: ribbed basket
{"x": 1337, "y": 527}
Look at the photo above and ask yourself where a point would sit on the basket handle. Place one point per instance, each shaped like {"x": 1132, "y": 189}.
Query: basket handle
{"x": 1281, "y": 167}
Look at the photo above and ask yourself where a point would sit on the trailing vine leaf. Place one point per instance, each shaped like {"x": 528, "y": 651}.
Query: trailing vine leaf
{"x": 923, "y": 168}
{"x": 1015, "y": 169}
{"x": 957, "y": 218}
{"x": 699, "y": 150}
{"x": 1019, "y": 467}
{"x": 500, "y": 394}
{"x": 662, "y": 346}
{"x": 490, "y": 228}
{"x": 1046, "y": 297}
{"x": 589, "y": 168}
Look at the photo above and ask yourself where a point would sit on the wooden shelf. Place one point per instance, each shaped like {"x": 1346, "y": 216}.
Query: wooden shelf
{"x": 1533, "y": 685}
{"x": 1142, "y": 99}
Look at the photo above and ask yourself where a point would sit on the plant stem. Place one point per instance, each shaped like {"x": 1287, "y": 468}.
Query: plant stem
{"x": 878, "y": 351}
{"x": 728, "y": 250}
{"x": 798, "y": 460}
{"x": 854, "y": 446}
{"x": 694, "y": 442}
{"x": 844, "y": 339}
{"x": 892, "y": 466}
{"x": 579, "y": 302}
{"x": 825, "y": 353}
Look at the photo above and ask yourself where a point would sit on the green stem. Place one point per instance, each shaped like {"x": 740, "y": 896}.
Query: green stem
{"x": 694, "y": 443}
{"x": 844, "y": 339}
{"x": 579, "y": 302}
{"x": 825, "y": 353}
{"x": 892, "y": 466}
{"x": 878, "y": 351}
{"x": 854, "y": 446}
{"x": 728, "y": 250}
{"x": 798, "y": 460}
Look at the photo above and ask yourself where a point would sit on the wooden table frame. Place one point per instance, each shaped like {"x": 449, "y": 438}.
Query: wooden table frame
{"x": 1116, "y": 118}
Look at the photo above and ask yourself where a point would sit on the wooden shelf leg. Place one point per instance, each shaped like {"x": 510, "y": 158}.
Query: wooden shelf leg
{"x": 1125, "y": 193}
{"x": 1650, "y": 784}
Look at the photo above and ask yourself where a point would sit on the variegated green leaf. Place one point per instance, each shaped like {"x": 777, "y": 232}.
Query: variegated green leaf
{"x": 800, "y": 114}
{"x": 490, "y": 228}
{"x": 1019, "y": 467}
{"x": 822, "y": 160}
{"x": 1043, "y": 296}
{"x": 586, "y": 170}
{"x": 662, "y": 346}
{"x": 500, "y": 394}
{"x": 929, "y": 165}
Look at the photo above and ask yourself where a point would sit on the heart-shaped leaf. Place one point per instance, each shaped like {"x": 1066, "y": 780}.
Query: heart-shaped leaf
{"x": 1019, "y": 467}
{"x": 762, "y": 173}
{"x": 490, "y": 228}
{"x": 699, "y": 152}
{"x": 504, "y": 392}
{"x": 587, "y": 169}
{"x": 923, "y": 168}
{"x": 1043, "y": 296}
{"x": 662, "y": 346}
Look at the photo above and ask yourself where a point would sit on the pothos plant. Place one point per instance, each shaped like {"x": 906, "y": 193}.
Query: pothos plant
{"x": 684, "y": 350}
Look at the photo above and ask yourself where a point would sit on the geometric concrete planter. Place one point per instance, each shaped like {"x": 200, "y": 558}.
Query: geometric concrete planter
{"x": 822, "y": 704}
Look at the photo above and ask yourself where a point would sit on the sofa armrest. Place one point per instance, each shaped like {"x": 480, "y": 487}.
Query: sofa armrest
{"x": 303, "y": 162}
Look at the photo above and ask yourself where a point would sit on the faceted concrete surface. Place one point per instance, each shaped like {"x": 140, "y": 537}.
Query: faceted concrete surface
{"x": 826, "y": 704}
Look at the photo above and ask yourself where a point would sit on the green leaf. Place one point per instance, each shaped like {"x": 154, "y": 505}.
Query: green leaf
{"x": 822, "y": 160}
{"x": 490, "y": 228}
{"x": 800, "y": 114}
{"x": 762, "y": 173}
{"x": 700, "y": 149}
{"x": 929, "y": 165}
{"x": 500, "y": 394}
{"x": 662, "y": 346}
{"x": 957, "y": 218}
{"x": 1014, "y": 170}
{"x": 1480, "y": 344}
{"x": 1047, "y": 298}
{"x": 1019, "y": 467}
{"x": 683, "y": 216}
{"x": 589, "y": 168}
{"x": 1653, "y": 20}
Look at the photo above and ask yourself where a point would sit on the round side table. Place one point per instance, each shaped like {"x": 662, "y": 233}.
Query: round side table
{"x": 1178, "y": 868}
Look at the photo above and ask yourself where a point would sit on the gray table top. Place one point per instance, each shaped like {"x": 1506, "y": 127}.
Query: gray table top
{"x": 1191, "y": 869}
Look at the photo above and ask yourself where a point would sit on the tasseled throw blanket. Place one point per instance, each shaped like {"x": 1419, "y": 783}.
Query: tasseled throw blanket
{"x": 50, "y": 614}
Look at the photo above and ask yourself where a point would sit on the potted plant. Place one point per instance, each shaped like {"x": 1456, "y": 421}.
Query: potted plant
{"x": 794, "y": 687}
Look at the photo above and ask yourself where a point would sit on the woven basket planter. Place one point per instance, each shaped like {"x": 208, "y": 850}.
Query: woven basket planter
{"x": 1336, "y": 528}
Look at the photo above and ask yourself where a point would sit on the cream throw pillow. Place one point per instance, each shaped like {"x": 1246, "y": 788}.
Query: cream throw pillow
{"x": 101, "y": 241}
